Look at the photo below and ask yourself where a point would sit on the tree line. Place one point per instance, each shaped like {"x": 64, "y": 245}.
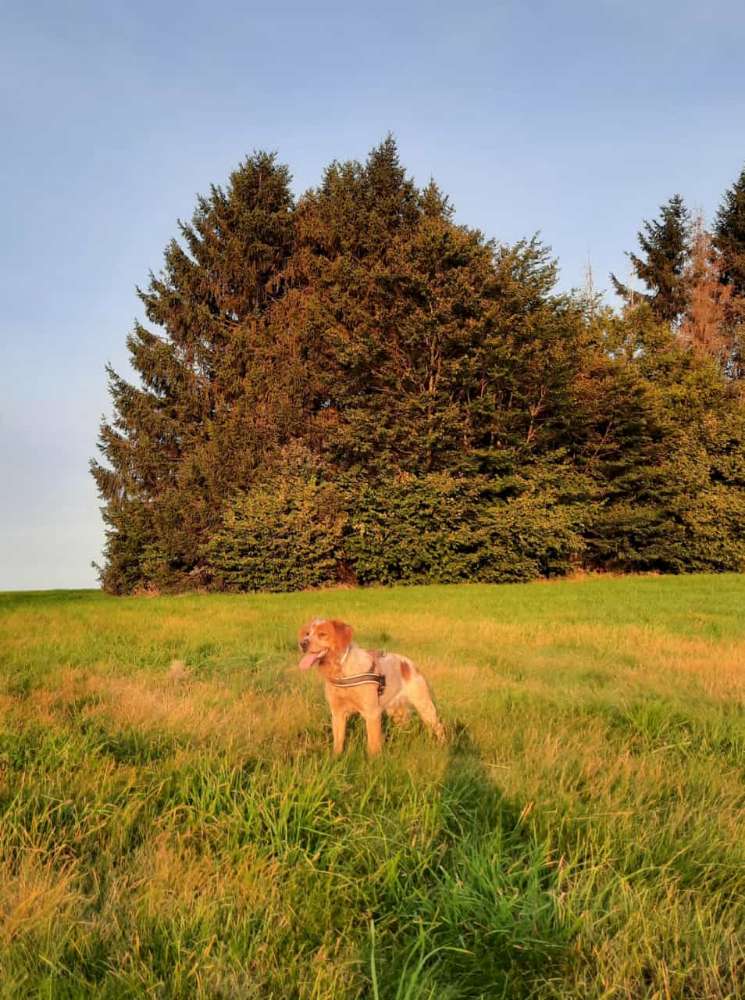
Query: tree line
{"x": 351, "y": 387}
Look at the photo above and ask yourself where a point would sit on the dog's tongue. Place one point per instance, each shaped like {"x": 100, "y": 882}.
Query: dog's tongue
{"x": 308, "y": 660}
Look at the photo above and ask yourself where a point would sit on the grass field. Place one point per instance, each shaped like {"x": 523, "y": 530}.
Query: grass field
{"x": 581, "y": 835}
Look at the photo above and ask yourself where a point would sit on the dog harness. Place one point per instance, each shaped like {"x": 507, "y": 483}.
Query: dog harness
{"x": 371, "y": 677}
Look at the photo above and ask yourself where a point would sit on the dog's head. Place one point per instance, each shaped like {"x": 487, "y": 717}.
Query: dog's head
{"x": 323, "y": 638}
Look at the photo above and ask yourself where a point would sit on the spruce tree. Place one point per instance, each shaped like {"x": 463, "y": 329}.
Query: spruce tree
{"x": 667, "y": 455}
{"x": 665, "y": 248}
{"x": 729, "y": 241}
{"x": 385, "y": 394}
{"x": 729, "y": 236}
{"x": 197, "y": 422}
{"x": 436, "y": 347}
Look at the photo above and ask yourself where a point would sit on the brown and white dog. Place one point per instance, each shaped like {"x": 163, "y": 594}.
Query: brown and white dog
{"x": 392, "y": 683}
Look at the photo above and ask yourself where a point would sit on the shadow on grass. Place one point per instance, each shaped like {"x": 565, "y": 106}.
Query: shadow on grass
{"x": 485, "y": 921}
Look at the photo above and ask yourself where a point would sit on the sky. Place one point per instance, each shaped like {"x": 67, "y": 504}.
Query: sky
{"x": 575, "y": 119}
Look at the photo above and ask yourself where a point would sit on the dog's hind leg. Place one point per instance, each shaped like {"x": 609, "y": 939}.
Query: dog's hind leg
{"x": 417, "y": 692}
{"x": 399, "y": 710}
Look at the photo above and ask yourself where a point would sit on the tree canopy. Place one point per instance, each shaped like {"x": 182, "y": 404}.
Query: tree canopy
{"x": 665, "y": 244}
{"x": 352, "y": 387}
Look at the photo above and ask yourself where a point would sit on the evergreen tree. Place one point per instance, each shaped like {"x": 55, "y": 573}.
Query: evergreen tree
{"x": 357, "y": 388}
{"x": 195, "y": 426}
{"x": 435, "y": 348}
{"x": 729, "y": 236}
{"x": 729, "y": 241}
{"x": 665, "y": 247}
{"x": 667, "y": 428}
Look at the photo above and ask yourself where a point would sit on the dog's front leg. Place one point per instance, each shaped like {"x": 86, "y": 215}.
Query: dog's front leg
{"x": 374, "y": 733}
{"x": 339, "y": 729}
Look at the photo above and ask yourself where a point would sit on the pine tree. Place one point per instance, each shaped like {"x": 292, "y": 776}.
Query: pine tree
{"x": 663, "y": 451}
{"x": 437, "y": 348}
{"x": 665, "y": 246}
{"x": 348, "y": 376}
{"x": 729, "y": 236}
{"x": 729, "y": 240}
{"x": 194, "y": 425}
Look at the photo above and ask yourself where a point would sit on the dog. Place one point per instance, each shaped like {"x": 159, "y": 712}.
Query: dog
{"x": 366, "y": 683}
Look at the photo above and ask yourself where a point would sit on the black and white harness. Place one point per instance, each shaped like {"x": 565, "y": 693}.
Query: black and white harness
{"x": 371, "y": 677}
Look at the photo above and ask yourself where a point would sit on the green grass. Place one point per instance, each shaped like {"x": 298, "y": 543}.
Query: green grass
{"x": 582, "y": 835}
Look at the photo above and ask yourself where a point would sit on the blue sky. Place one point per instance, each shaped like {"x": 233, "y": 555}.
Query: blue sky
{"x": 573, "y": 118}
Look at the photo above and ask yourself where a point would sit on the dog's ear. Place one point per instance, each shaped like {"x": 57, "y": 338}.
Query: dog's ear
{"x": 343, "y": 634}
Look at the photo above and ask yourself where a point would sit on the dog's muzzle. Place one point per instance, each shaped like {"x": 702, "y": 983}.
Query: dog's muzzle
{"x": 310, "y": 659}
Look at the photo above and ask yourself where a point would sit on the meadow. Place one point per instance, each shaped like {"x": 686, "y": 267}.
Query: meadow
{"x": 185, "y": 833}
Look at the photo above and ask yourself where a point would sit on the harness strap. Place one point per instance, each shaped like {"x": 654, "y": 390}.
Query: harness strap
{"x": 356, "y": 679}
{"x": 369, "y": 678}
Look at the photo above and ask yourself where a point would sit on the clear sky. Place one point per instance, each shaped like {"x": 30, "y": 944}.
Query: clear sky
{"x": 573, "y": 118}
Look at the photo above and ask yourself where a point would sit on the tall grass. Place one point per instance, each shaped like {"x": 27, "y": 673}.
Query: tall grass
{"x": 183, "y": 835}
